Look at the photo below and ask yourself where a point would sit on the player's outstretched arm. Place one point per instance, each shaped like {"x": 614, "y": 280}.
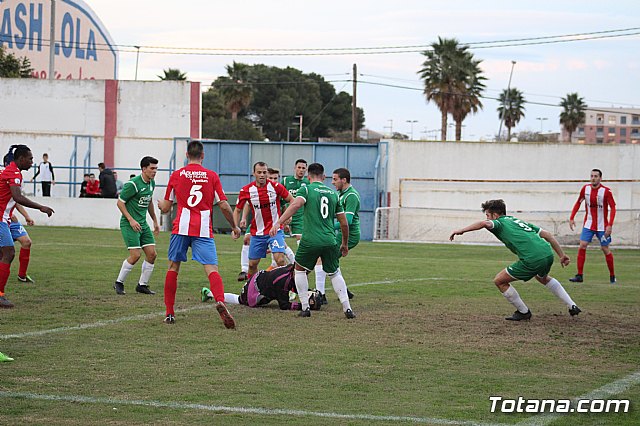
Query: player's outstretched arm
{"x": 344, "y": 228}
{"x": 154, "y": 218}
{"x": 473, "y": 227}
{"x": 225, "y": 208}
{"x": 21, "y": 199}
{"x": 293, "y": 207}
{"x": 555, "y": 245}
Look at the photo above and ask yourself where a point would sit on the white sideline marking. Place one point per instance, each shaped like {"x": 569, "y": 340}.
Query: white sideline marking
{"x": 98, "y": 324}
{"x": 605, "y": 392}
{"x": 242, "y": 410}
{"x": 143, "y": 317}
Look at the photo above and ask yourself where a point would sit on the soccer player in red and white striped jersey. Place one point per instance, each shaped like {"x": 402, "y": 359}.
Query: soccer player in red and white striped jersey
{"x": 263, "y": 196}
{"x": 10, "y": 194}
{"x": 195, "y": 190}
{"x": 598, "y": 220}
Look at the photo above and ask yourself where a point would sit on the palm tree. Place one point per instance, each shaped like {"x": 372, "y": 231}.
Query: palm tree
{"x": 573, "y": 113}
{"x": 453, "y": 80}
{"x": 468, "y": 101}
{"x": 511, "y": 109}
{"x": 173, "y": 74}
{"x": 235, "y": 88}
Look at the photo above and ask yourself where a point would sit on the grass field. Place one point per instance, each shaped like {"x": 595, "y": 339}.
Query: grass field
{"x": 430, "y": 344}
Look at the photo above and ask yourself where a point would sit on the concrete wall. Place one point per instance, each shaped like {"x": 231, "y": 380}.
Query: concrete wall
{"x": 45, "y": 115}
{"x": 430, "y": 210}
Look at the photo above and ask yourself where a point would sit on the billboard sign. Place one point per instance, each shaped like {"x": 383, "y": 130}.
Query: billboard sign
{"x": 83, "y": 47}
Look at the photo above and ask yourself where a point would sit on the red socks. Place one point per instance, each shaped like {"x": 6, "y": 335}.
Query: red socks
{"x": 609, "y": 259}
{"x": 5, "y": 270}
{"x": 170, "y": 287}
{"x": 582, "y": 255}
{"x": 25, "y": 254}
{"x": 216, "y": 286}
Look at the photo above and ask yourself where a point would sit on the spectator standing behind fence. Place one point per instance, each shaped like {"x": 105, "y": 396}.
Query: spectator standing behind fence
{"x": 83, "y": 186}
{"x": 93, "y": 187}
{"x": 119, "y": 183}
{"x": 47, "y": 178}
{"x": 107, "y": 182}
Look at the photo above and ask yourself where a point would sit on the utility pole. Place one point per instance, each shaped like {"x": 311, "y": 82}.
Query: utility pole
{"x": 52, "y": 41}
{"x": 513, "y": 63}
{"x": 300, "y": 124}
{"x": 390, "y": 127}
{"x": 137, "y": 57}
{"x": 354, "y": 111}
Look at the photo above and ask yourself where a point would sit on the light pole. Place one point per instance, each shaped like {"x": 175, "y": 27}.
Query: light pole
{"x": 137, "y": 57}
{"x": 541, "y": 120}
{"x": 300, "y": 117}
{"x": 412, "y": 122}
{"x": 513, "y": 63}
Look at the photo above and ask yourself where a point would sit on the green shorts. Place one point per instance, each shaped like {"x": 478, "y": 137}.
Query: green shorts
{"x": 526, "y": 269}
{"x": 307, "y": 256}
{"x": 133, "y": 239}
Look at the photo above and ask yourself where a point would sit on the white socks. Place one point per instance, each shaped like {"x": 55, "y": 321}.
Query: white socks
{"x": 231, "y": 298}
{"x": 147, "y": 269}
{"x": 244, "y": 259}
{"x": 340, "y": 287}
{"x": 514, "y": 298}
{"x": 291, "y": 257}
{"x": 302, "y": 285}
{"x": 321, "y": 277}
{"x": 556, "y": 288}
{"x": 124, "y": 271}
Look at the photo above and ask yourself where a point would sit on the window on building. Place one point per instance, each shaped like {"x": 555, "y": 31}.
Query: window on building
{"x": 635, "y": 131}
{"x": 635, "y": 119}
{"x": 581, "y": 140}
{"x": 612, "y": 119}
{"x": 581, "y": 130}
{"x": 612, "y": 131}
{"x": 611, "y": 140}
{"x": 623, "y": 141}
{"x": 623, "y": 119}
{"x": 599, "y": 140}
{"x": 600, "y": 119}
{"x": 599, "y": 130}
{"x": 623, "y": 131}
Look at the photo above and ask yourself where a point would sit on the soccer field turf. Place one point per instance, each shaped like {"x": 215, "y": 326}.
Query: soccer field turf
{"x": 429, "y": 345}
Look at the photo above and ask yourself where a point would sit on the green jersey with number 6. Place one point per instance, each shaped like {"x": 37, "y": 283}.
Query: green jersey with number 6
{"x": 521, "y": 238}
{"x": 321, "y": 206}
{"x": 136, "y": 195}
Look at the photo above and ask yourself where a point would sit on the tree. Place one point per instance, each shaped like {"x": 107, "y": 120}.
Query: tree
{"x": 221, "y": 128}
{"x": 173, "y": 74}
{"x": 235, "y": 88}
{"x": 13, "y": 67}
{"x": 452, "y": 80}
{"x": 573, "y": 113}
{"x": 511, "y": 109}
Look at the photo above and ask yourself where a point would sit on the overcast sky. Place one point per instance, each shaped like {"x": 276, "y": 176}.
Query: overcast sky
{"x": 605, "y": 71}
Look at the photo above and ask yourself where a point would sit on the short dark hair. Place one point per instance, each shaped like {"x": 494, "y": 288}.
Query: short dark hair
{"x": 259, "y": 163}
{"x": 92, "y": 174}
{"x": 147, "y": 161}
{"x": 315, "y": 169}
{"x": 597, "y": 170}
{"x": 495, "y": 206}
{"x": 301, "y": 160}
{"x": 343, "y": 174}
{"x": 195, "y": 149}
{"x": 101, "y": 166}
{"x": 273, "y": 171}
{"x": 45, "y": 155}
{"x": 86, "y": 174}
{"x": 20, "y": 151}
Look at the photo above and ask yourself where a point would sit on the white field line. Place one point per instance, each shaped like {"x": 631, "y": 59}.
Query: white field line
{"x": 241, "y": 410}
{"x": 605, "y": 392}
{"x": 143, "y": 317}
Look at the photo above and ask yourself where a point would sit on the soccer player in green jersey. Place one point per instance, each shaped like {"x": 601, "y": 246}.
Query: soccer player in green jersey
{"x": 134, "y": 202}
{"x": 293, "y": 185}
{"x": 533, "y": 246}
{"x": 319, "y": 240}
{"x": 350, "y": 201}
